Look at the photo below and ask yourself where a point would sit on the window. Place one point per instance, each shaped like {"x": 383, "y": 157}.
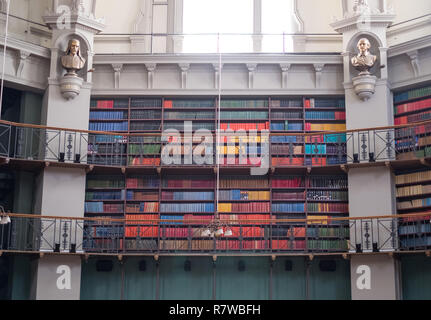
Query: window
{"x": 218, "y": 16}
{"x": 276, "y": 20}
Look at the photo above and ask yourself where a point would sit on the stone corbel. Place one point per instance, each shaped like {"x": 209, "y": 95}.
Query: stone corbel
{"x": 414, "y": 59}
{"x": 22, "y": 56}
{"x": 318, "y": 68}
{"x": 117, "y": 74}
{"x": 185, "y": 67}
{"x": 285, "y": 67}
{"x": 217, "y": 70}
{"x": 251, "y": 70}
{"x": 151, "y": 67}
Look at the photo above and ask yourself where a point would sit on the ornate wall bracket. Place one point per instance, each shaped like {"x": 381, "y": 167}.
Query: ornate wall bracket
{"x": 70, "y": 86}
{"x": 365, "y": 86}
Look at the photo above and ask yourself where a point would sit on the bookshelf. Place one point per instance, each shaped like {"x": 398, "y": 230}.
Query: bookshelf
{"x": 410, "y": 107}
{"x": 181, "y": 197}
{"x": 414, "y": 196}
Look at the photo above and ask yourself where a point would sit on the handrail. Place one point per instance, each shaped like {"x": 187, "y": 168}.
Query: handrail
{"x": 25, "y": 125}
{"x": 310, "y": 219}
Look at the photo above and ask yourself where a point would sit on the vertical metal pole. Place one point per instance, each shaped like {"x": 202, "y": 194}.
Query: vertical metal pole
{"x": 214, "y": 279}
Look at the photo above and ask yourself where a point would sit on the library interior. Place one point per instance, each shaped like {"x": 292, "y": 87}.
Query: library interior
{"x": 215, "y": 150}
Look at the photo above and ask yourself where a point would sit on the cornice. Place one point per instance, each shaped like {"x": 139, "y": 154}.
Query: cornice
{"x": 350, "y": 23}
{"x": 260, "y": 59}
{"x": 214, "y": 92}
{"x": 34, "y": 49}
{"x": 408, "y": 46}
{"x": 86, "y": 23}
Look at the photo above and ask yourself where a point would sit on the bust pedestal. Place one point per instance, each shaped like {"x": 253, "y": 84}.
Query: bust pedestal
{"x": 70, "y": 86}
{"x": 364, "y": 86}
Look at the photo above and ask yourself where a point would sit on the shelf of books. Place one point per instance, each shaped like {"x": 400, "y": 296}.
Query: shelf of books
{"x": 104, "y": 198}
{"x": 307, "y": 115}
{"x": 413, "y": 106}
{"x": 186, "y": 206}
{"x": 245, "y": 205}
{"x": 414, "y": 196}
{"x": 187, "y": 123}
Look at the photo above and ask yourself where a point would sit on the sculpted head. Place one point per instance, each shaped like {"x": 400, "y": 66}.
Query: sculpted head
{"x": 73, "y": 47}
{"x": 364, "y": 45}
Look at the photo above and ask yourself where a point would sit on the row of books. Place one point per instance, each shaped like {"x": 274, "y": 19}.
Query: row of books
{"x": 236, "y": 182}
{"x": 245, "y": 126}
{"x": 414, "y": 229}
{"x": 169, "y": 104}
{"x": 327, "y": 195}
{"x": 415, "y": 177}
{"x": 245, "y": 219}
{"x": 413, "y": 106}
{"x": 412, "y": 131}
{"x": 146, "y": 114}
{"x": 315, "y": 149}
{"x": 139, "y": 161}
{"x": 287, "y": 139}
{"x": 286, "y": 126}
{"x": 297, "y": 103}
{"x": 418, "y": 203}
{"x": 106, "y": 232}
{"x": 325, "y": 103}
{"x": 188, "y": 183}
{"x": 325, "y": 115}
{"x": 105, "y": 182}
{"x": 426, "y": 153}
{"x": 327, "y": 138}
{"x": 327, "y": 245}
{"x": 244, "y": 207}
{"x": 244, "y": 103}
{"x": 413, "y": 190}
{"x": 143, "y": 182}
{"x": 195, "y": 126}
{"x": 286, "y": 149}
{"x": 100, "y": 207}
{"x": 145, "y": 103}
{"x": 328, "y": 207}
{"x": 249, "y": 162}
{"x": 412, "y": 94}
{"x": 107, "y": 148}
{"x": 145, "y": 126}
{"x": 415, "y": 242}
{"x": 138, "y": 149}
{"x": 138, "y": 196}
{"x": 141, "y": 219}
{"x": 142, "y": 207}
{"x": 338, "y": 232}
{"x": 108, "y": 126}
{"x": 145, "y": 139}
{"x": 186, "y": 207}
{"x": 244, "y": 115}
{"x": 174, "y": 115}
{"x": 141, "y": 245}
{"x": 105, "y": 115}
{"x": 196, "y": 196}
{"x": 141, "y": 232}
{"x": 423, "y": 116}
{"x": 288, "y": 207}
{"x": 288, "y": 196}
{"x": 288, "y": 182}
{"x": 325, "y": 127}
{"x": 105, "y": 195}
{"x": 286, "y": 115}
{"x": 109, "y": 104}
{"x": 327, "y": 182}
{"x": 287, "y": 245}
{"x": 226, "y": 195}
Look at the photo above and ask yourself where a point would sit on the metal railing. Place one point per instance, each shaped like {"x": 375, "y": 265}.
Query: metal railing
{"x": 30, "y": 142}
{"x": 28, "y": 233}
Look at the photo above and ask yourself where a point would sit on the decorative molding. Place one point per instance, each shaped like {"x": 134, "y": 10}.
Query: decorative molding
{"x": 21, "y": 45}
{"x": 251, "y": 67}
{"x": 151, "y": 67}
{"x": 217, "y": 70}
{"x": 403, "y": 48}
{"x": 185, "y": 67}
{"x": 284, "y": 74}
{"x": 22, "y": 57}
{"x": 414, "y": 59}
{"x": 327, "y": 59}
{"x": 318, "y": 68}
{"x": 117, "y": 74}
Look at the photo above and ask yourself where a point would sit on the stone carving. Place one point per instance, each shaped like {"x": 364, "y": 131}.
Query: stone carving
{"x": 364, "y": 61}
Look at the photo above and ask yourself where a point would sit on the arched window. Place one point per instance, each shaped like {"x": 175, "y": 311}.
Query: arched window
{"x": 217, "y": 16}
{"x": 277, "y": 19}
